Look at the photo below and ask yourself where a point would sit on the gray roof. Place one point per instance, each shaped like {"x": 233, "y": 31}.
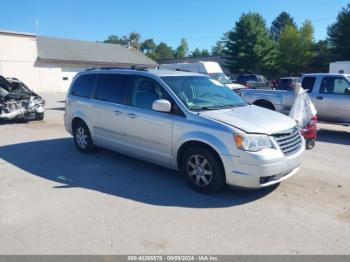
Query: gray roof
{"x": 5, "y": 32}
{"x": 52, "y": 49}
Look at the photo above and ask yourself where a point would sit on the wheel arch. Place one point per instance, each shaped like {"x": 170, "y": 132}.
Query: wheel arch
{"x": 188, "y": 144}
{"x": 79, "y": 116}
{"x": 262, "y": 102}
{"x": 77, "y": 120}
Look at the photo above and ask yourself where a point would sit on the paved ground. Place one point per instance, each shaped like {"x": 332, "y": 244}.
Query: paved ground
{"x": 55, "y": 200}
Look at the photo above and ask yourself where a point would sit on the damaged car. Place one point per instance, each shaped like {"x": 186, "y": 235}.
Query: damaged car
{"x": 18, "y": 102}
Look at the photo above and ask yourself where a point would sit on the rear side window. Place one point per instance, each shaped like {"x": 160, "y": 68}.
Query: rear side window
{"x": 285, "y": 81}
{"x": 83, "y": 86}
{"x": 112, "y": 88}
{"x": 308, "y": 83}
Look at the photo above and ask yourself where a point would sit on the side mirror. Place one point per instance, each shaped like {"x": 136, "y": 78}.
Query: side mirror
{"x": 161, "y": 105}
{"x": 347, "y": 91}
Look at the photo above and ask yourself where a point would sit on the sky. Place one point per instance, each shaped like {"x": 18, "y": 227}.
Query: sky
{"x": 201, "y": 22}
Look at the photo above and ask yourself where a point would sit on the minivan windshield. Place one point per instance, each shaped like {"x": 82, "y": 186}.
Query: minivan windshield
{"x": 203, "y": 93}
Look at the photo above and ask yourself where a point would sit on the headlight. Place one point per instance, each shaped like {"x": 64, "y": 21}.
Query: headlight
{"x": 251, "y": 142}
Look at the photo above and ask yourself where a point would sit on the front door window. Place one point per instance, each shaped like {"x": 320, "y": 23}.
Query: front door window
{"x": 145, "y": 92}
{"x": 334, "y": 85}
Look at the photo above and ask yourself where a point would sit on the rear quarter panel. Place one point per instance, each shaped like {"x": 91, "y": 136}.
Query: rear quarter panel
{"x": 77, "y": 107}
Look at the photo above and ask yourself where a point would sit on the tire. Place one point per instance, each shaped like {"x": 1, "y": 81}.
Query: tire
{"x": 310, "y": 144}
{"x": 82, "y": 138}
{"x": 39, "y": 116}
{"x": 202, "y": 169}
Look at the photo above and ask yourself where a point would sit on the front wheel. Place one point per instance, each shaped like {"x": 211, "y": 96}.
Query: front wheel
{"x": 203, "y": 170}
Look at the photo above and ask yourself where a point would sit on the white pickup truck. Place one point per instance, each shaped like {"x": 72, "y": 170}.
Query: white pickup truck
{"x": 330, "y": 94}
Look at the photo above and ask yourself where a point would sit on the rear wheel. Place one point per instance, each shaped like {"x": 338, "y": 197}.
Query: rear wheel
{"x": 203, "y": 170}
{"x": 82, "y": 137}
{"x": 39, "y": 116}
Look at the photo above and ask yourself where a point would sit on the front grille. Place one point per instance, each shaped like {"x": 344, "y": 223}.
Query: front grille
{"x": 289, "y": 141}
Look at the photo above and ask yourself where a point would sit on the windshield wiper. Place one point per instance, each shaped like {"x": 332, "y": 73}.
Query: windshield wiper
{"x": 201, "y": 108}
{"x": 216, "y": 107}
{"x": 206, "y": 108}
{"x": 227, "y": 106}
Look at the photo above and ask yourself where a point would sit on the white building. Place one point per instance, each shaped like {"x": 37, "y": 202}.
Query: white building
{"x": 340, "y": 67}
{"x": 48, "y": 64}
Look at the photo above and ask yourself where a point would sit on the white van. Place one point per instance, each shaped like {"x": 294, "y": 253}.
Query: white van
{"x": 209, "y": 68}
{"x": 204, "y": 68}
{"x": 342, "y": 67}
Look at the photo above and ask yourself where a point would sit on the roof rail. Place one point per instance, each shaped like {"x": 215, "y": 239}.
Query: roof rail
{"x": 139, "y": 68}
{"x": 182, "y": 70}
{"x": 177, "y": 69}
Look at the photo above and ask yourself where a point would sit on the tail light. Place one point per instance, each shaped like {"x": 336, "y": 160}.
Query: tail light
{"x": 313, "y": 121}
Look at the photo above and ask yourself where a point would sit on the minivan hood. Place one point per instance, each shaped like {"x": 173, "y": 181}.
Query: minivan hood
{"x": 252, "y": 119}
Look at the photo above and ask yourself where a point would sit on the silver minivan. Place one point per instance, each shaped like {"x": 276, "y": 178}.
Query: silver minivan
{"x": 184, "y": 121}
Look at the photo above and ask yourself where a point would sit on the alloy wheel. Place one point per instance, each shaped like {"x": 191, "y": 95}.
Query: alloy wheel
{"x": 199, "y": 170}
{"x": 81, "y": 137}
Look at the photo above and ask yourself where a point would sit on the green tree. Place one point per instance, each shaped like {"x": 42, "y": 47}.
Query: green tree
{"x": 134, "y": 40}
{"x": 321, "y": 58}
{"x": 339, "y": 35}
{"x": 295, "y": 49}
{"x": 306, "y": 44}
{"x": 205, "y": 52}
{"x": 278, "y": 25}
{"x": 148, "y": 47}
{"x": 218, "y": 48}
{"x": 196, "y": 53}
{"x": 163, "y": 51}
{"x": 114, "y": 39}
{"x": 249, "y": 47}
{"x": 182, "y": 49}
{"x": 289, "y": 51}
{"x": 199, "y": 53}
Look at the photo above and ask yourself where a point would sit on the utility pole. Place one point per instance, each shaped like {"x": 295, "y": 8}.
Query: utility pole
{"x": 37, "y": 25}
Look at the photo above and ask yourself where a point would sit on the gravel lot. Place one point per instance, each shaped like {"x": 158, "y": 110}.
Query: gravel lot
{"x": 55, "y": 200}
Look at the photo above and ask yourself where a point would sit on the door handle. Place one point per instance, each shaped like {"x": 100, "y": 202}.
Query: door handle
{"x": 319, "y": 97}
{"x": 130, "y": 115}
{"x": 117, "y": 112}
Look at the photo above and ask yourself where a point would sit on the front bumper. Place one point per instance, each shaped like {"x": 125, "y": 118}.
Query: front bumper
{"x": 261, "y": 169}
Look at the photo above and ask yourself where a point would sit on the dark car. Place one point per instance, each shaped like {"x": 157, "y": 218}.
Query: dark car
{"x": 287, "y": 83}
{"x": 253, "y": 81}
